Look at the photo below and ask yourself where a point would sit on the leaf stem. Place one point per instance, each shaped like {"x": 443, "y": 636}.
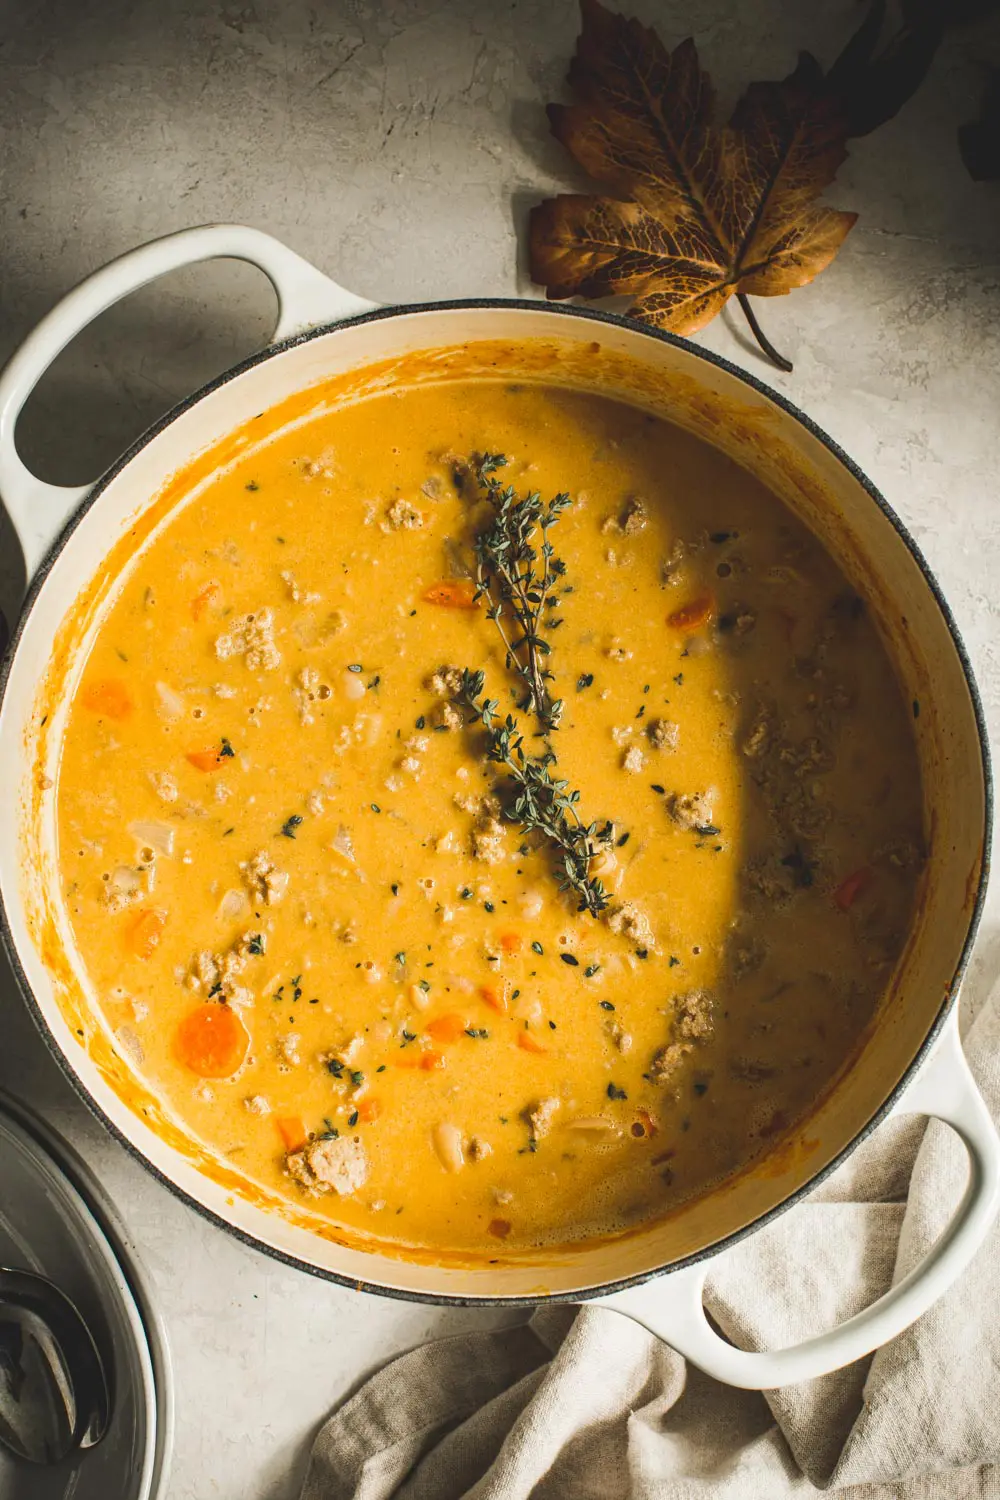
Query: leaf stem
{"x": 761, "y": 337}
{"x": 540, "y": 803}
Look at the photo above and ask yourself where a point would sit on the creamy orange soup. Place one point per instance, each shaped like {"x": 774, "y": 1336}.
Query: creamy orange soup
{"x": 313, "y": 911}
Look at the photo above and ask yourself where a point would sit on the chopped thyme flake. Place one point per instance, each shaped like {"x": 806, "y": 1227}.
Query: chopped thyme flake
{"x": 423, "y": 984}
{"x": 465, "y": 893}
{"x": 616, "y": 1093}
{"x": 571, "y": 959}
{"x": 400, "y": 957}
{"x": 355, "y": 666}
{"x": 256, "y": 944}
{"x": 488, "y": 906}
{"x": 606, "y": 1005}
{"x": 537, "y": 947}
{"x": 477, "y": 1032}
{"x": 357, "y": 1078}
{"x": 227, "y": 749}
{"x": 585, "y": 680}
{"x": 333, "y": 1064}
{"x": 290, "y": 824}
{"x": 591, "y": 970}
{"x": 655, "y": 786}
{"x": 352, "y": 1118}
{"x": 375, "y": 807}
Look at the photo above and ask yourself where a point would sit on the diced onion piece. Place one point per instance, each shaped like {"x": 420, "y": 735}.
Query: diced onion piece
{"x": 125, "y": 879}
{"x": 343, "y": 843}
{"x": 159, "y": 836}
{"x": 169, "y": 703}
{"x": 594, "y": 1126}
{"x": 130, "y": 1045}
{"x": 234, "y": 905}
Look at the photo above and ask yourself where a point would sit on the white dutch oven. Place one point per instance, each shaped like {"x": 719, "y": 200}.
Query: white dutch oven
{"x": 912, "y": 1061}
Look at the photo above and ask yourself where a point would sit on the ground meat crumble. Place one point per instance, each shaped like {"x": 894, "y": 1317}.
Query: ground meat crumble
{"x": 263, "y": 878}
{"x": 252, "y": 637}
{"x": 338, "y": 1164}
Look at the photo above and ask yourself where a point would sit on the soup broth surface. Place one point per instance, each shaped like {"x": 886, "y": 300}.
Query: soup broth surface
{"x": 297, "y": 893}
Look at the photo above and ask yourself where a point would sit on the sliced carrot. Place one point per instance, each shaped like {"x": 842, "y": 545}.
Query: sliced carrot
{"x": 144, "y": 930}
{"x": 850, "y": 889}
{"x": 511, "y": 942}
{"x": 494, "y": 998}
{"x": 368, "y": 1111}
{"x": 204, "y": 760}
{"x": 212, "y": 1041}
{"x": 447, "y": 1028}
{"x": 452, "y": 593}
{"x": 203, "y": 600}
{"x": 110, "y": 698}
{"x": 528, "y": 1043}
{"x": 499, "y": 1228}
{"x": 692, "y": 614}
{"x": 291, "y": 1128}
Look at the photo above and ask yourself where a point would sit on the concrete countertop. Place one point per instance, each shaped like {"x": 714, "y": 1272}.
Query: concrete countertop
{"x": 398, "y": 146}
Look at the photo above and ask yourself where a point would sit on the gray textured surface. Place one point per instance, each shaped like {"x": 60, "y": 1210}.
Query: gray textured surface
{"x": 397, "y": 145}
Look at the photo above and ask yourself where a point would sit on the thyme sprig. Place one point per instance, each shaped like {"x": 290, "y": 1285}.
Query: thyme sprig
{"x": 538, "y": 801}
{"x": 518, "y": 577}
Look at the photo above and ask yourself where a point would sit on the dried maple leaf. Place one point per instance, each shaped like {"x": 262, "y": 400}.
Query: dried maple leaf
{"x": 699, "y": 212}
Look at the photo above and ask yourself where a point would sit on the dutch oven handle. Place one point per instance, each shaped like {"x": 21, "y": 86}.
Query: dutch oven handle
{"x": 306, "y": 298}
{"x": 672, "y": 1308}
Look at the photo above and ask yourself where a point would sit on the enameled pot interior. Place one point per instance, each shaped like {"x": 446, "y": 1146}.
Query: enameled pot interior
{"x": 703, "y": 396}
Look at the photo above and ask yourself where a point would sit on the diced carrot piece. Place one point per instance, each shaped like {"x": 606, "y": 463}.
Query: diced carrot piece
{"x": 692, "y": 614}
{"x": 425, "y": 1061}
{"x": 204, "y": 760}
{"x": 511, "y": 942}
{"x": 144, "y": 930}
{"x": 850, "y": 889}
{"x": 291, "y": 1128}
{"x": 110, "y": 698}
{"x": 494, "y": 998}
{"x": 368, "y": 1111}
{"x": 528, "y": 1043}
{"x": 212, "y": 1041}
{"x": 447, "y": 1028}
{"x": 203, "y": 600}
{"x": 499, "y": 1228}
{"x": 452, "y": 593}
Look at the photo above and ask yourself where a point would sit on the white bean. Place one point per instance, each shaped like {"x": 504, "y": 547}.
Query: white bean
{"x": 447, "y": 1140}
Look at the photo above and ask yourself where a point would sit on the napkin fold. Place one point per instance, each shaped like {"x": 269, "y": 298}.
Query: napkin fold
{"x": 583, "y": 1404}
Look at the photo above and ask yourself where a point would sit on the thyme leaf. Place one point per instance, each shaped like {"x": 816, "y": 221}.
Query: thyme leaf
{"x": 517, "y": 570}
{"x": 539, "y": 802}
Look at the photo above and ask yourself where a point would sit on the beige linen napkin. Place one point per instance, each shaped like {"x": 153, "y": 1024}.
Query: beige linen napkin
{"x": 582, "y": 1404}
